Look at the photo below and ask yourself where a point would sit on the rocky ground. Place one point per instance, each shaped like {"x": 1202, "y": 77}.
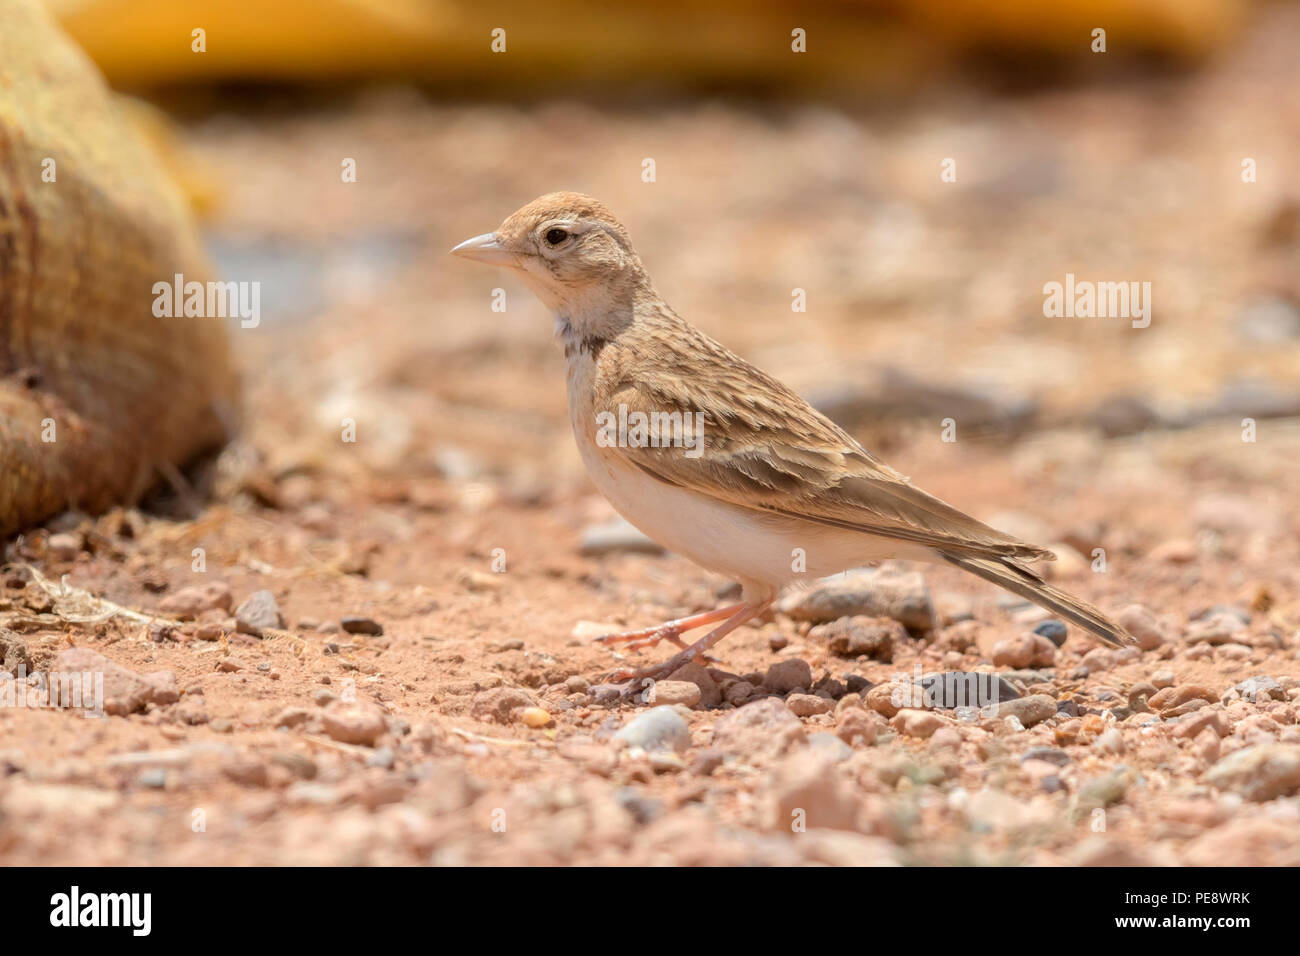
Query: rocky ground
{"x": 311, "y": 704}
{"x": 318, "y": 650}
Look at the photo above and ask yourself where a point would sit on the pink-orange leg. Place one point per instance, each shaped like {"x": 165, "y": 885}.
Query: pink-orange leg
{"x": 670, "y": 631}
{"x": 738, "y": 616}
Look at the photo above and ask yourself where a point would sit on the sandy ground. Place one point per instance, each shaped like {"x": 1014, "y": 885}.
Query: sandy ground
{"x": 419, "y": 684}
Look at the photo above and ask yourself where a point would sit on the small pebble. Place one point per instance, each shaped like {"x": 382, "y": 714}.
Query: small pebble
{"x": 535, "y": 717}
{"x": 917, "y": 723}
{"x": 258, "y": 612}
{"x": 660, "y": 728}
{"x": 788, "y": 675}
{"x": 1054, "y": 630}
{"x": 808, "y": 705}
{"x": 829, "y": 746}
{"x": 674, "y": 692}
{"x": 739, "y": 692}
{"x": 665, "y": 761}
{"x": 1030, "y": 710}
{"x": 1052, "y": 755}
{"x": 362, "y": 625}
{"x": 577, "y": 684}
{"x": 707, "y": 761}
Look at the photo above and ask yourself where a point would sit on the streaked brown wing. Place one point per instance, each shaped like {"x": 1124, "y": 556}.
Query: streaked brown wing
{"x": 765, "y": 448}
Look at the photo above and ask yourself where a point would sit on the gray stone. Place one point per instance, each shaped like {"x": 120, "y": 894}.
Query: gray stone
{"x": 258, "y": 612}
{"x": 1052, "y": 755}
{"x": 829, "y": 746}
{"x": 870, "y": 592}
{"x": 789, "y": 675}
{"x": 1119, "y": 415}
{"x": 616, "y": 536}
{"x": 710, "y": 694}
{"x": 660, "y": 728}
{"x": 1269, "y": 321}
{"x": 188, "y": 603}
{"x": 860, "y": 636}
{"x": 952, "y": 689}
{"x": 1105, "y": 790}
{"x": 762, "y": 728}
{"x": 155, "y": 778}
{"x": 1029, "y": 710}
{"x": 125, "y": 692}
{"x": 1258, "y": 688}
{"x": 1259, "y": 773}
{"x": 1054, "y": 630}
{"x": 804, "y": 792}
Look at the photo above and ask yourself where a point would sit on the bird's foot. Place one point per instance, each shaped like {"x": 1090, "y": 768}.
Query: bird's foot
{"x": 647, "y": 637}
{"x": 632, "y": 681}
{"x": 670, "y": 631}
{"x": 662, "y": 671}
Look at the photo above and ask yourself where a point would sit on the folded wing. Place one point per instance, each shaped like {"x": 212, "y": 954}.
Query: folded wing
{"x": 764, "y": 448}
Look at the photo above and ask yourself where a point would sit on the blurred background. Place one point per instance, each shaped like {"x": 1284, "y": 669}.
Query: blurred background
{"x": 774, "y": 170}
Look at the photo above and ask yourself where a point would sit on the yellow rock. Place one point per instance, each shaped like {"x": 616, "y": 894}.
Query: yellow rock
{"x": 536, "y": 717}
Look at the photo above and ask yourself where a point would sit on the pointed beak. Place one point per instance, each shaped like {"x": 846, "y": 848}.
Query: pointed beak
{"x": 485, "y": 248}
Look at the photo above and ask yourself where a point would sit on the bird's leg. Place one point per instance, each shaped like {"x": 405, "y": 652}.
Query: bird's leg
{"x": 739, "y": 615}
{"x": 670, "y": 631}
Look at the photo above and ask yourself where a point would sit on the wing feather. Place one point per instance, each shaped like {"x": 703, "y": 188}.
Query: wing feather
{"x": 766, "y": 449}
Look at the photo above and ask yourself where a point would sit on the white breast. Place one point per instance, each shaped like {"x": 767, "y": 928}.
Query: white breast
{"x": 763, "y": 552}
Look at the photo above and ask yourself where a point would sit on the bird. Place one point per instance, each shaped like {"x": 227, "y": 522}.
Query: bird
{"x": 717, "y": 460}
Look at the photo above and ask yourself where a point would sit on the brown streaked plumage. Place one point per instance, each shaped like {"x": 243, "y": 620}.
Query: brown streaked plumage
{"x": 767, "y": 473}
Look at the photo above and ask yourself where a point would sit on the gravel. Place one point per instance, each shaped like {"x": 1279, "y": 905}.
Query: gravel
{"x": 258, "y": 612}
{"x": 1258, "y": 773}
{"x": 873, "y": 593}
{"x": 660, "y": 728}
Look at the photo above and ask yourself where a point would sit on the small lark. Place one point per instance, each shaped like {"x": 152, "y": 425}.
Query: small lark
{"x": 714, "y": 458}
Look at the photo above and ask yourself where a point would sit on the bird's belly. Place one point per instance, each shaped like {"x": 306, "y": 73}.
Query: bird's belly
{"x": 764, "y": 552}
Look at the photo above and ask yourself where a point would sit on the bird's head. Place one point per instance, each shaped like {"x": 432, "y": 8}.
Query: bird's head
{"x": 570, "y": 251}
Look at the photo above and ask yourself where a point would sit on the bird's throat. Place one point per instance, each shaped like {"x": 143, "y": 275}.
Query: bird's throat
{"x": 577, "y": 342}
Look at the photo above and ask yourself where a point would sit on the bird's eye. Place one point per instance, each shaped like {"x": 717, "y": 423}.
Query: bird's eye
{"x": 556, "y": 236}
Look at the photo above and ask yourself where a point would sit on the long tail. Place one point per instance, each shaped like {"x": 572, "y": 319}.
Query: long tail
{"x": 1018, "y": 579}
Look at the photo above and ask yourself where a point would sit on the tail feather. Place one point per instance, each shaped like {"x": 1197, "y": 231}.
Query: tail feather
{"x": 1018, "y": 579}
